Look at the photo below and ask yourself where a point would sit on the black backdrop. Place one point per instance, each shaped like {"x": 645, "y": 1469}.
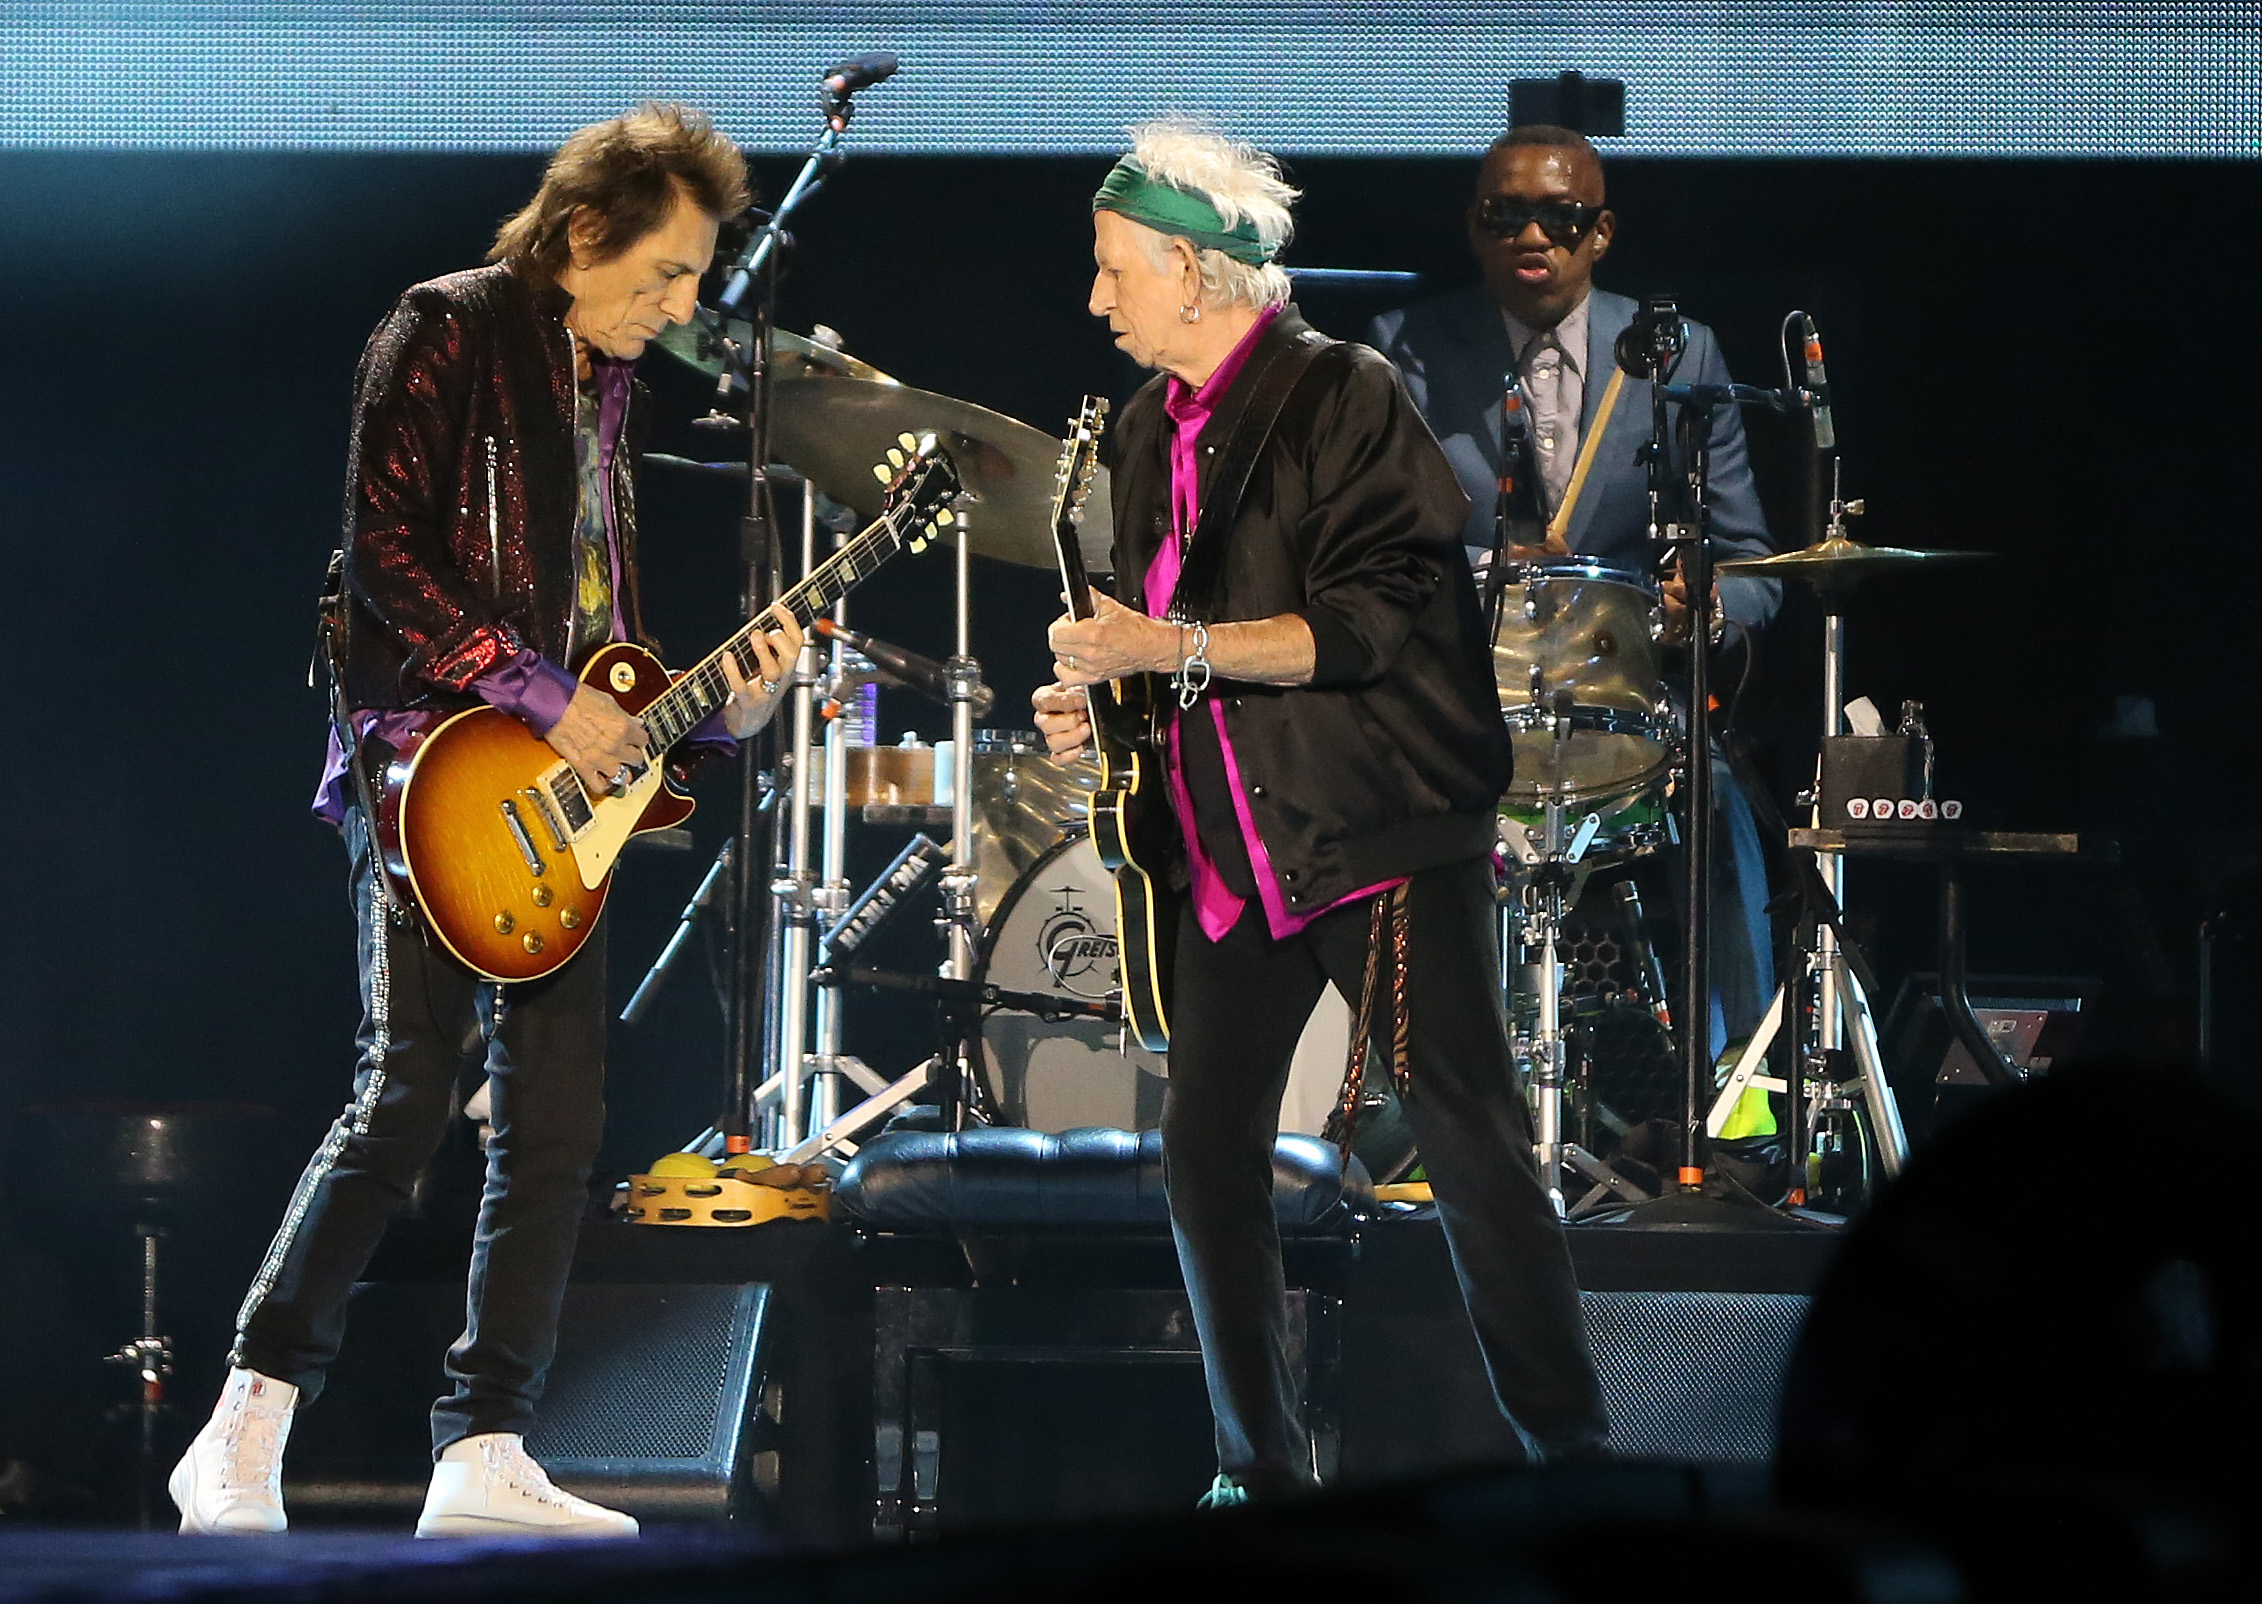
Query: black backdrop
{"x": 2042, "y": 361}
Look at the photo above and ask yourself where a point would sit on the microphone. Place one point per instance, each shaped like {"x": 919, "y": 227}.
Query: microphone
{"x": 1818, "y": 386}
{"x": 860, "y": 72}
{"x": 1652, "y": 343}
{"x": 907, "y": 668}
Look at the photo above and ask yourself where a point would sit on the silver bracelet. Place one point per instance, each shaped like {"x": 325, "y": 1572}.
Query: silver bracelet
{"x": 1193, "y": 676}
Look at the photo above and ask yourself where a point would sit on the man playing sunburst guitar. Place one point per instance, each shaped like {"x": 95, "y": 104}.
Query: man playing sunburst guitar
{"x": 489, "y": 544}
{"x": 1288, "y": 548}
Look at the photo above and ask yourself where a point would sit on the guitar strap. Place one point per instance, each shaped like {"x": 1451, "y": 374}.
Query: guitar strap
{"x": 1205, "y": 552}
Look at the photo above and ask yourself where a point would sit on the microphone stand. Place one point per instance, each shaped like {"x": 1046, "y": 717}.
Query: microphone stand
{"x": 1680, "y": 524}
{"x": 754, "y": 278}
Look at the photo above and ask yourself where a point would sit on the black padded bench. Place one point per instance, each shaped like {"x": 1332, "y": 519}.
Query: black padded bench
{"x": 1039, "y": 1220}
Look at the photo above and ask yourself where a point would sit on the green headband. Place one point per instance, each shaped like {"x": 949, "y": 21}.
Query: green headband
{"x": 1167, "y": 209}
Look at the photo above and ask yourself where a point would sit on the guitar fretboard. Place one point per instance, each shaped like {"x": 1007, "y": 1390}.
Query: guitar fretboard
{"x": 693, "y": 698}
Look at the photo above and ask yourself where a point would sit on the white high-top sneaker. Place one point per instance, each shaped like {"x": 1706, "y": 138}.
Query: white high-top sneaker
{"x": 231, "y": 1479}
{"x": 488, "y": 1486}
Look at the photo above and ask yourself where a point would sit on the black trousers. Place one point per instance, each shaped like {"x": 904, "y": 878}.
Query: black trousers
{"x": 1238, "y": 1008}
{"x": 543, "y": 1044}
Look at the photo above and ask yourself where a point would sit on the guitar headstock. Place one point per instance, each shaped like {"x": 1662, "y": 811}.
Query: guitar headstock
{"x": 921, "y": 483}
{"x": 1079, "y": 456}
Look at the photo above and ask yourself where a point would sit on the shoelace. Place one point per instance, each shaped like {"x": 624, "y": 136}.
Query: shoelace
{"x": 253, "y": 1434}
{"x": 518, "y": 1470}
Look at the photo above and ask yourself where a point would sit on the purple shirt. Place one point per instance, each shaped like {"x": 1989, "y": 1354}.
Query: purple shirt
{"x": 1216, "y": 908}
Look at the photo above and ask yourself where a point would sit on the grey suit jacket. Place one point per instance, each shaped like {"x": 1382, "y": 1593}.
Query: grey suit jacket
{"x": 1455, "y": 355}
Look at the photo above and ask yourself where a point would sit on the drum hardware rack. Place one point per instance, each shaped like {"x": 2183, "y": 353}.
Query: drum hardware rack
{"x": 1532, "y": 925}
{"x": 799, "y": 1129}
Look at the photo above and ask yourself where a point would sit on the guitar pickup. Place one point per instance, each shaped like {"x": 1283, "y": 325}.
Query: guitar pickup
{"x": 526, "y": 849}
{"x": 544, "y": 811}
{"x": 565, "y": 805}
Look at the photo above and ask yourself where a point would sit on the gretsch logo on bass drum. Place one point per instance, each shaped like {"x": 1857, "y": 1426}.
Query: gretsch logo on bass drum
{"x": 1080, "y": 957}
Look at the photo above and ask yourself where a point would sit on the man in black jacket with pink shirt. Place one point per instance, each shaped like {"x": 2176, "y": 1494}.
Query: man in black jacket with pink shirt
{"x": 1334, "y": 762}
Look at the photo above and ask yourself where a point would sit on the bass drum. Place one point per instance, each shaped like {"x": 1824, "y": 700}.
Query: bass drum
{"x": 1054, "y": 932}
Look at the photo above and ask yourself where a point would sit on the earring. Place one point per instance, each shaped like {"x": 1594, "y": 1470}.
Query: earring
{"x": 1190, "y": 314}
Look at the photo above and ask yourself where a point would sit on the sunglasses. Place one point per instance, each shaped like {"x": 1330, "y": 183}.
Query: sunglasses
{"x": 1560, "y": 220}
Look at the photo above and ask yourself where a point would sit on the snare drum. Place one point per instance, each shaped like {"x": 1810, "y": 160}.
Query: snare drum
{"x": 1577, "y": 625}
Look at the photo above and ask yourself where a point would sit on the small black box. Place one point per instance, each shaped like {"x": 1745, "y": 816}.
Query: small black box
{"x": 1869, "y": 769}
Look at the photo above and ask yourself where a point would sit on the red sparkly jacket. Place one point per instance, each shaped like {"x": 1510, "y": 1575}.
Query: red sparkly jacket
{"x": 461, "y": 495}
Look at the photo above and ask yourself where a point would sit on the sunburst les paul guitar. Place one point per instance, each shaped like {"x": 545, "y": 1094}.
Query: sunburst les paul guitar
{"x": 1132, "y": 824}
{"x": 492, "y": 835}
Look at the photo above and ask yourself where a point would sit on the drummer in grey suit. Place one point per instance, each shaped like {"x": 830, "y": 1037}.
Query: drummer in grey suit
{"x": 1538, "y": 226}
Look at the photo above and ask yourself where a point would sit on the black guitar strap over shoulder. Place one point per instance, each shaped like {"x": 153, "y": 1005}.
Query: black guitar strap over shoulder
{"x": 1205, "y": 553}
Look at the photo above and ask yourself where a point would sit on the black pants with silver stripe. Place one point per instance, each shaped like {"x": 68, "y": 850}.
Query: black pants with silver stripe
{"x": 545, "y": 1063}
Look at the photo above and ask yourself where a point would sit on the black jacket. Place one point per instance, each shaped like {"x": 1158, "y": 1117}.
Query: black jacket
{"x": 451, "y": 571}
{"x": 1391, "y": 760}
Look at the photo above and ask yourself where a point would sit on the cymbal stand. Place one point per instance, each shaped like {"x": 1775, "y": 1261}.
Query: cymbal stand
{"x": 949, "y": 1072}
{"x": 958, "y": 882}
{"x": 793, "y": 895}
{"x": 1842, "y": 1016}
{"x": 150, "y": 1357}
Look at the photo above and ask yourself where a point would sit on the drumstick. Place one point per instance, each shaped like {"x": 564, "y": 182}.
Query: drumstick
{"x": 1558, "y": 527}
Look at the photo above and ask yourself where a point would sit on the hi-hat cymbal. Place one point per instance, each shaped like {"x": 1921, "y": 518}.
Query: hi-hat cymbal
{"x": 834, "y": 429}
{"x": 1836, "y": 561}
{"x": 792, "y": 356}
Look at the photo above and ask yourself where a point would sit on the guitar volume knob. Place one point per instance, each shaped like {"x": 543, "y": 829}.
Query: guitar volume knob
{"x": 531, "y": 941}
{"x": 570, "y": 918}
{"x": 504, "y": 923}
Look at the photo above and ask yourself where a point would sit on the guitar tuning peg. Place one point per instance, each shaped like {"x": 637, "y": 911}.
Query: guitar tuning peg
{"x": 909, "y": 442}
{"x": 881, "y": 473}
{"x": 896, "y": 457}
{"x": 945, "y": 518}
{"x": 918, "y": 544}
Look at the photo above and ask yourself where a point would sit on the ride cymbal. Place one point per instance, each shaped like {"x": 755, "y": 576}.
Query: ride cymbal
{"x": 833, "y": 429}
{"x": 1836, "y": 561}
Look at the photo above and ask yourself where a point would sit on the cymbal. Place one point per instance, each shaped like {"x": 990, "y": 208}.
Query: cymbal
{"x": 699, "y": 344}
{"x": 835, "y": 428}
{"x": 1837, "y": 561}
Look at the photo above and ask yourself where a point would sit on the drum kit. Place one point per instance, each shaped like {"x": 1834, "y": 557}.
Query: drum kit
{"x": 1029, "y": 995}
{"x": 1580, "y": 664}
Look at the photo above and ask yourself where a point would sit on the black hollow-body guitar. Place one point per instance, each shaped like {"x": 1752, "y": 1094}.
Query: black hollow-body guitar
{"x": 1132, "y": 826}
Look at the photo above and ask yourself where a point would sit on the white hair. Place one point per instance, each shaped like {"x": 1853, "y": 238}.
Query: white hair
{"x": 1238, "y": 179}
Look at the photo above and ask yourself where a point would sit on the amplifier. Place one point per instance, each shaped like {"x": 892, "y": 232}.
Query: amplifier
{"x": 654, "y": 1405}
{"x": 2035, "y": 1020}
